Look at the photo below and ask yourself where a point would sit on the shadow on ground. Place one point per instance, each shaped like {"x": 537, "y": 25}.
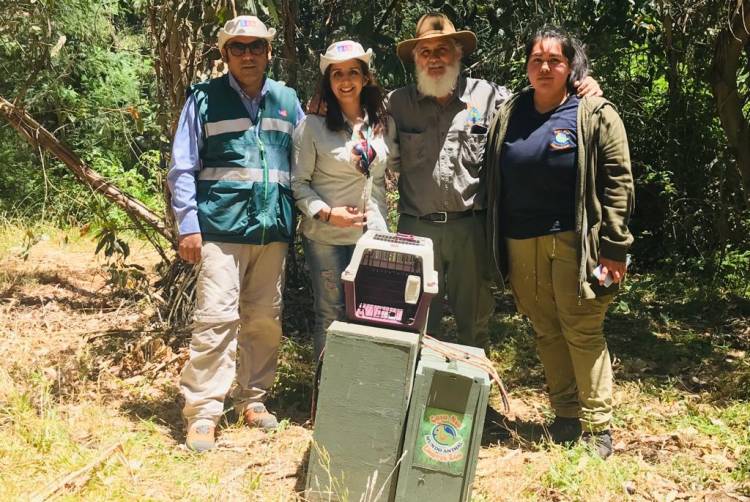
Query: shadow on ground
{"x": 657, "y": 334}
{"x": 165, "y": 409}
{"x": 77, "y": 299}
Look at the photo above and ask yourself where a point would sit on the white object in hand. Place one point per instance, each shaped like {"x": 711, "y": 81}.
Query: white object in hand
{"x": 608, "y": 280}
{"x": 598, "y": 274}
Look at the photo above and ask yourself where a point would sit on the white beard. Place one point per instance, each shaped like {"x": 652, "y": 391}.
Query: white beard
{"x": 441, "y": 86}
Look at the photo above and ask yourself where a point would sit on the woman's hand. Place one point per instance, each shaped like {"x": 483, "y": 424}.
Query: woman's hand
{"x": 587, "y": 87}
{"x": 614, "y": 268}
{"x": 346, "y": 216}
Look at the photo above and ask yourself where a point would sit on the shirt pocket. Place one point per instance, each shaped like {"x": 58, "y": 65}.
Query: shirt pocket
{"x": 472, "y": 146}
{"x": 412, "y": 146}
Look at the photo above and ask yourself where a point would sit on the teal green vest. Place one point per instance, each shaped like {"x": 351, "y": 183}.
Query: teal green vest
{"x": 243, "y": 188}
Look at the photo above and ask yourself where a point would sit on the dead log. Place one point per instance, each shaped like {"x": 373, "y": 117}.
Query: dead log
{"x": 76, "y": 480}
{"x": 36, "y": 135}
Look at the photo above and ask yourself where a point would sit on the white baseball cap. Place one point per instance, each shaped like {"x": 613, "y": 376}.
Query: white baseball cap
{"x": 344, "y": 51}
{"x": 244, "y": 26}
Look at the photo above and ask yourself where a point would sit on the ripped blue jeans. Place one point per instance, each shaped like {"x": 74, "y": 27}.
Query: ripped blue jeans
{"x": 325, "y": 263}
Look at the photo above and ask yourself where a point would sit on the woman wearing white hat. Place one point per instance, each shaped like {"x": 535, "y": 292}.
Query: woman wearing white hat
{"x": 338, "y": 173}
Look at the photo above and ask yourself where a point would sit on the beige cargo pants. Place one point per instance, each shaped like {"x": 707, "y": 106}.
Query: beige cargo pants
{"x": 239, "y": 286}
{"x": 569, "y": 331}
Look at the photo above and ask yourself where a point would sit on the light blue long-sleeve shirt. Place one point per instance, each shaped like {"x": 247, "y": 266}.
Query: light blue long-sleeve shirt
{"x": 186, "y": 162}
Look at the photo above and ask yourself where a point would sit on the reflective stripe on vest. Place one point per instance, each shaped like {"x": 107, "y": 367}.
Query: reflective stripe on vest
{"x": 225, "y": 126}
{"x": 280, "y": 125}
{"x": 243, "y": 124}
{"x": 243, "y": 188}
{"x": 242, "y": 174}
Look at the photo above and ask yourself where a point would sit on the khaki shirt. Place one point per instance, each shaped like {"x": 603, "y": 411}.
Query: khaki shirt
{"x": 324, "y": 176}
{"x": 442, "y": 147}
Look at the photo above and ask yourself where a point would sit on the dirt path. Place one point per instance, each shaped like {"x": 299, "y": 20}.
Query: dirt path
{"x": 81, "y": 370}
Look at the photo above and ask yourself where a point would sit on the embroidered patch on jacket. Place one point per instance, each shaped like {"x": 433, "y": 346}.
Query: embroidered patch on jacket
{"x": 563, "y": 139}
{"x": 473, "y": 115}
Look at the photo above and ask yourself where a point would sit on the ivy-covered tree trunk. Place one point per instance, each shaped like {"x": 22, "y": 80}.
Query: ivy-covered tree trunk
{"x": 730, "y": 45}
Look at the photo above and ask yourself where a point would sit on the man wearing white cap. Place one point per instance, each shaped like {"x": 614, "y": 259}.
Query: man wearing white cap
{"x": 442, "y": 123}
{"x": 230, "y": 184}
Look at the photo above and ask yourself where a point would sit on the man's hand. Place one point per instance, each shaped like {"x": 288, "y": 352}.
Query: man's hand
{"x": 587, "y": 87}
{"x": 614, "y": 268}
{"x": 347, "y": 216}
{"x": 316, "y": 106}
{"x": 190, "y": 247}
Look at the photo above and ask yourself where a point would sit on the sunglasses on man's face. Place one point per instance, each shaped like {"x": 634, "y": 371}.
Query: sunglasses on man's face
{"x": 256, "y": 47}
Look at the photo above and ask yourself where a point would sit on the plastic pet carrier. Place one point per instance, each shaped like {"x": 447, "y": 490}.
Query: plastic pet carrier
{"x": 390, "y": 281}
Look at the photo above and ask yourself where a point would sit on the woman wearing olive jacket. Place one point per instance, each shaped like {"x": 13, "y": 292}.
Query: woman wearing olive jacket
{"x": 560, "y": 195}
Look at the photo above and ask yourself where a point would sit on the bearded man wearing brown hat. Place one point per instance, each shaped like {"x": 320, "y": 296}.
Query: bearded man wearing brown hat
{"x": 442, "y": 123}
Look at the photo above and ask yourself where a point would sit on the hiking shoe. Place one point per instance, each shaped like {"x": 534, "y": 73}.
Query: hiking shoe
{"x": 256, "y": 415}
{"x": 565, "y": 430}
{"x": 601, "y": 442}
{"x": 201, "y": 435}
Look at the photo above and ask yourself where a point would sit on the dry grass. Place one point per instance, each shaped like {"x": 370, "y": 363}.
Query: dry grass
{"x": 81, "y": 370}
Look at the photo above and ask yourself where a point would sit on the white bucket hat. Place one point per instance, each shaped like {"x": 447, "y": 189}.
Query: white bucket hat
{"x": 344, "y": 51}
{"x": 244, "y": 26}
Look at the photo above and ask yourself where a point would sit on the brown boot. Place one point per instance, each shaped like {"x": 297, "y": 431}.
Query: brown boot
{"x": 256, "y": 415}
{"x": 201, "y": 435}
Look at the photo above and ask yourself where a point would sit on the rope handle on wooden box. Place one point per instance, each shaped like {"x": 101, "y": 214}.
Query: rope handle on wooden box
{"x": 481, "y": 362}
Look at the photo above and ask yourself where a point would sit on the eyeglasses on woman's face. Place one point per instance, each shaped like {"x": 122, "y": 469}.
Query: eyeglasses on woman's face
{"x": 256, "y": 47}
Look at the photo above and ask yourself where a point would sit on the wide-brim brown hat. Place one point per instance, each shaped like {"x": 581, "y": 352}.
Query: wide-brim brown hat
{"x": 436, "y": 26}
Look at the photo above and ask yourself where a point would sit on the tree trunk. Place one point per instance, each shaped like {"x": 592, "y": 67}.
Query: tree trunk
{"x": 289, "y": 17}
{"x": 727, "y": 52}
{"x": 38, "y": 136}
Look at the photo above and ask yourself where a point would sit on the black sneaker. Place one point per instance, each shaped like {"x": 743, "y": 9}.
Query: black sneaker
{"x": 565, "y": 430}
{"x": 601, "y": 442}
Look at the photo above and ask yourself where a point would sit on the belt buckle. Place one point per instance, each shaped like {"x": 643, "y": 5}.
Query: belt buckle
{"x": 444, "y": 214}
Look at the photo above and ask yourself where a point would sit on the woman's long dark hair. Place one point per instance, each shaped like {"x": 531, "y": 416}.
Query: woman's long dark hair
{"x": 572, "y": 49}
{"x": 372, "y": 99}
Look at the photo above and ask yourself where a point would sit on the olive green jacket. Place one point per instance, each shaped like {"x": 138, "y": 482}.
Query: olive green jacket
{"x": 604, "y": 190}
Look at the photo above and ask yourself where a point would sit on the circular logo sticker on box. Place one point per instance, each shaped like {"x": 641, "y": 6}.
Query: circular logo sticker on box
{"x": 443, "y": 440}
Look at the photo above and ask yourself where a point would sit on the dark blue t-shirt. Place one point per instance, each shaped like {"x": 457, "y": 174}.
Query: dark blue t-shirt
{"x": 538, "y": 170}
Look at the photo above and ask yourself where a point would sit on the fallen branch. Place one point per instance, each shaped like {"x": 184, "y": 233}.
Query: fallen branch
{"x": 156, "y": 369}
{"x": 39, "y": 137}
{"x": 238, "y": 472}
{"x": 78, "y": 478}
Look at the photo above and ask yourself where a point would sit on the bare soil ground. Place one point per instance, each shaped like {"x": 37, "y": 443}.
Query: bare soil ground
{"x": 83, "y": 369}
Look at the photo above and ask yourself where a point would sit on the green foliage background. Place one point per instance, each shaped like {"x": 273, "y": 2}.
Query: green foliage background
{"x": 97, "y": 92}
